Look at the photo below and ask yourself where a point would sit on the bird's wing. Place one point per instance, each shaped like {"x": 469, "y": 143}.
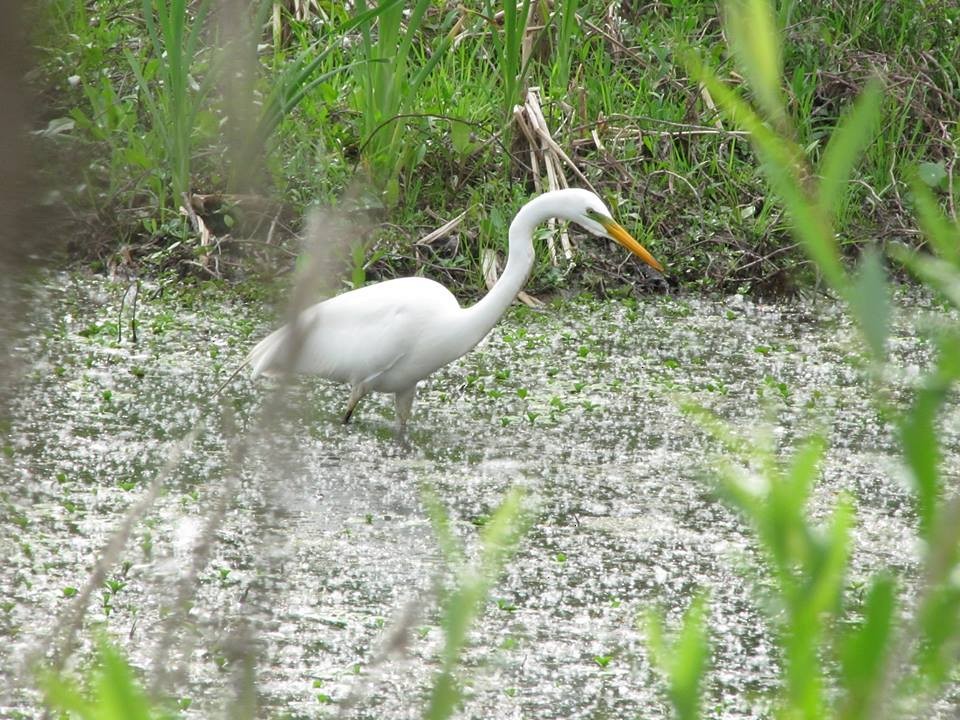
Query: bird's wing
{"x": 358, "y": 336}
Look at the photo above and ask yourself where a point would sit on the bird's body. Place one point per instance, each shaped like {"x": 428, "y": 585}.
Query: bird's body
{"x": 389, "y": 336}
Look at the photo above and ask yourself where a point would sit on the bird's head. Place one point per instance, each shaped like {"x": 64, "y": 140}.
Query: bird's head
{"x": 588, "y": 211}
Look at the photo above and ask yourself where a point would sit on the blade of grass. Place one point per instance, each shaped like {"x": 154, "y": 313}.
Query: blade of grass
{"x": 852, "y": 134}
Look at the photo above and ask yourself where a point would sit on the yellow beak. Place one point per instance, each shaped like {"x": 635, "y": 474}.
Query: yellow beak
{"x": 626, "y": 239}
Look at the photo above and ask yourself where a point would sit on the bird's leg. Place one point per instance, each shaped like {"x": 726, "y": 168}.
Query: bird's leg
{"x": 356, "y": 393}
{"x": 404, "y": 400}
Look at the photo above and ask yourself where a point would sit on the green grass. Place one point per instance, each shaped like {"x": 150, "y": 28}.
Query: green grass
{"x": 419, "y": 107}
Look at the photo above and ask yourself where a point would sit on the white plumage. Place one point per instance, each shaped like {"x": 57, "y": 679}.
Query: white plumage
{"x": 388, "y": 336}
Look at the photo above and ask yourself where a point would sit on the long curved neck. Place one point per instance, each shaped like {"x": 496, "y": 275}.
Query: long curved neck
{"x": 480, "y": 318}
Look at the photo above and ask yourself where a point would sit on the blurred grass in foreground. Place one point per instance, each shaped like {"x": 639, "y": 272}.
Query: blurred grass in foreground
{"x": 883, "y": 661}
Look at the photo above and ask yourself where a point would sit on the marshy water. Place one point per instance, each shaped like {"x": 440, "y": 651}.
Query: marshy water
{"x": 324, "y": 548}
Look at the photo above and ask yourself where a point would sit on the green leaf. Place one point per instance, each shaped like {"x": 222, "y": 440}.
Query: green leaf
{"x": 919, "y": 436}
{"x": 852, "y": 134}
{"x": 784, "y": 166}
{"x": 943, "y": 235}
{"x": 935, "y": 273}
{"x": 864, "y": 653}
{"x": 755, "y": 40}
{"x": 869, "y": 302}
{"x": 683, "y": 660}
{"x": 932, "y": 174}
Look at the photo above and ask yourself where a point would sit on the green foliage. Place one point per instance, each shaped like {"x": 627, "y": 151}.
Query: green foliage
{"x": 508, "y": 51}
{"x": 114, "y": 693}
{"x": 684, "y": 660}
{"x": 387, "y": 85}
{"x": 172, "y": 97}
{"x": 881, "y": 663}
{"x": 499, "y": 538}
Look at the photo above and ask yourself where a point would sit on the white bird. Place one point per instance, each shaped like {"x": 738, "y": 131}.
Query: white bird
{"x": 389, "y": 336}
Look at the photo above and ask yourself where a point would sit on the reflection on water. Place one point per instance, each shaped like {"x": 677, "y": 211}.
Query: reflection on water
{"x": 325, "y": 542}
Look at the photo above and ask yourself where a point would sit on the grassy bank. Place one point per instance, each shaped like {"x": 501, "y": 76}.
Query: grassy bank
{"x": 403, "y": 115}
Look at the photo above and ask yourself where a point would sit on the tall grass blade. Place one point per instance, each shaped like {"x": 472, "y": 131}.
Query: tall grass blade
{"x": 685, "y": 660}
{"x": 498, "y": 540}
{"x": 919, "y": 436}
{"x": 567, "y": 27}
{"x": 852, "y": 134}
{"x": 115, "y": 692}
{"x": 864, "y": 654}
{"x": 869, "y": 302}
{"x": 936, "y": 274}
{"x": 943, "y": 235}
{"x": 784, "y": 165}
{"x": 755, "y": 40}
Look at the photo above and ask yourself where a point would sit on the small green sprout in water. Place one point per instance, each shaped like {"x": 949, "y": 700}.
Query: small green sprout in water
{"x": 583, "y": 351}
{"x": 7, "y": 606}
{"x": 560, "y": 557}
{"x": 114, "y": 586}
{"x": 480, "y": 520}
{"x": 324, "y": 698}
{"x": 532, "y": 416}
{"x": 578, "y": 386}
{"x": 107, "y": 397}
{"x": 127, "y": 485}
{"x": 615, "y": 602}
{"x": 146, "y": 544}
{"x": 69, "y": 592}
{"x": 602, "y": 660}
{"x": 522, "y": 393}
{"x": 138, "y": 372}
{"x": 671, "y": 363}
{"x": 506, "y": 605}
{"x": 510, "y": 691}
{"x": 557, "y": 403}
{"x": 423, "y": 631}
{"x": 509, "y": 643}
{"x": 368, "y": 519}
{"x": 502, "y": 375}
{"x": 763, "y": 349}
{"x": 494, "y": 393}
{"x": 184, "y": 703}
{"x": 504, "y": 421}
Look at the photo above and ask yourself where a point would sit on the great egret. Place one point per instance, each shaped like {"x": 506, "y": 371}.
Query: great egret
{"x": 389, "y": 336}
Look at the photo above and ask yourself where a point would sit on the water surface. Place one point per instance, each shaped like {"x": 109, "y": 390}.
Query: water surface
{"x": 325, "y": 546}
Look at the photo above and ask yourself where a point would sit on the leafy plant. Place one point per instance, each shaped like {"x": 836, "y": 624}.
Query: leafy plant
{"x": 499, "y": 538}
{"x": 113, "y": 692}
{"x": 387, "y": 86}
{"x": 883, "y": 665}
{"x": 172, "y": 96}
